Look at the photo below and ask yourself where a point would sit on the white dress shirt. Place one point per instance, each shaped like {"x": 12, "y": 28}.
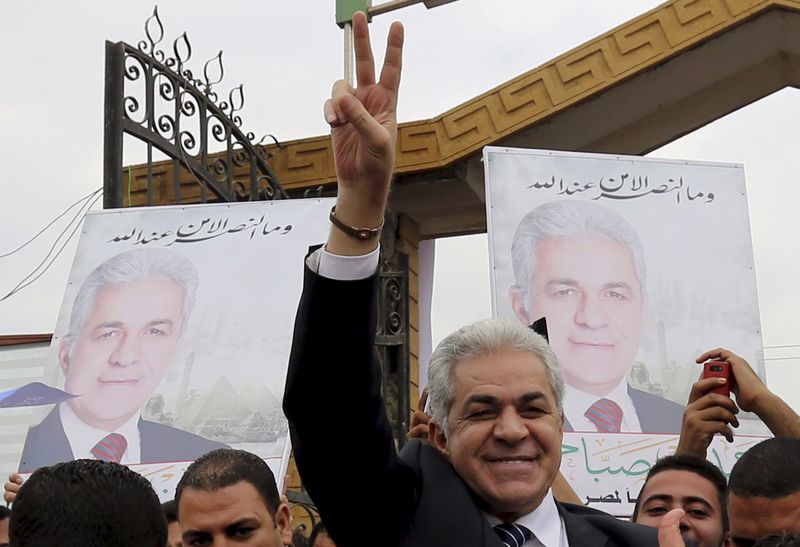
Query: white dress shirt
{"x": 82, "y": 437}
{"x": 577, "y": 402}
{"x": 545, "y": 523}
{"x": 344, "y": 268}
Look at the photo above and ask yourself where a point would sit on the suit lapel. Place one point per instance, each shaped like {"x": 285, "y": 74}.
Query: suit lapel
{"x": 580, "y": 532}
{"x": 148, "y": 443}
{"x": 58, "y": 447}
{"x": 640, "y": 405}
{"x": 490, "y": 537}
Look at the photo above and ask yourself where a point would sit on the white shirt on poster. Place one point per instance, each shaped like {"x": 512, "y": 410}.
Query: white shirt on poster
{"x": 83, "y": 437}
{"x": 577, "y": 402}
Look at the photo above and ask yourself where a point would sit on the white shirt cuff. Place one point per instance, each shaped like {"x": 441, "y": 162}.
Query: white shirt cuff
{"x": 343, "y": 268}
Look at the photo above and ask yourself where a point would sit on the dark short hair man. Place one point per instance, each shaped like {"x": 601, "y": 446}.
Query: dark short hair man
{"x": 764, "y": 492}
{"x": 173, "y": 526}
{"x": 87, "y": 503}
{"x": 692, "y": 484}
{"x": 484, "y": 479}
{"x": 319, "y": 536}
{"x": 763, "y": 496}
{"x": 582, "y": 266}
{"x": 125, "y": 324}
{"x": 229, "y": 497}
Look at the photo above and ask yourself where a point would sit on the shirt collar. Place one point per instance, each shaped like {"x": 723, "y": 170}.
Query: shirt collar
{"x": 544, "y": 521}
{"x": 82, "y": 437}
{"x": 577, "y": 402}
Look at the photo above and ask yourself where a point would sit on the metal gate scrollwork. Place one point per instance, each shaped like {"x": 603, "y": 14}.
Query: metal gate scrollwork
{"x": 393, "y": 342}
{"x": 157, "y": 99}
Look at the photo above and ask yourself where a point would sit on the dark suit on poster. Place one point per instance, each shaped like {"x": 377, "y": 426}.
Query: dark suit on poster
{"x": 366, "y": 493}
{"x": 47, "y": 444}
{"x": 656, "y": 414}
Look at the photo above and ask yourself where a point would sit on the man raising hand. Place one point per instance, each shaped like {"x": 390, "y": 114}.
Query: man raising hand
{"x": 363, "y": 132}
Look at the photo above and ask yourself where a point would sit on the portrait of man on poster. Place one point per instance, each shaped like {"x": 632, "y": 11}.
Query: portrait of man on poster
{"x": 124, "y": 328}
{"x": 582, "y": 267}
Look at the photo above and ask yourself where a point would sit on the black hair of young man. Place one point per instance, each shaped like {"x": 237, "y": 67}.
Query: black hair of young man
{"x": 788, "y": 540}
{"x": 698, "y": 466}
{"x": 87, "y": 503}
{"x": 299, "y": 539}
{"x": 170, "y": 509}
{"x": 226, "y": 467}
{"x": 767, "y": 470}
{"x": 5, "y": 512}
{"x": 319, "y": 528}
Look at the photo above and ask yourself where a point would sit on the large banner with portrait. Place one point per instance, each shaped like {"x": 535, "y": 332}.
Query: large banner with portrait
{"x": 174, "y": 335}
{"x": 639, "y": 266}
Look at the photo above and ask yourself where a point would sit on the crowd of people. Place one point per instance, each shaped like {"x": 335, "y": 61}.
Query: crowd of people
{"x": 481, "y": 468}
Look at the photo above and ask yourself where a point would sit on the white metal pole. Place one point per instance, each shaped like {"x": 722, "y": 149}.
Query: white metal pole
{"x": 349, "y": 53}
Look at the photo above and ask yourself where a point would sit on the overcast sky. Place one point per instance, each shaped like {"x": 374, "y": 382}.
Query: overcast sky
{"x": 287, "y": 54}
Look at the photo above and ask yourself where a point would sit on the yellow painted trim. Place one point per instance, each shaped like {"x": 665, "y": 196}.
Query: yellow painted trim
{"x": 541, "y": 93}
{"x": 535, "y": 96}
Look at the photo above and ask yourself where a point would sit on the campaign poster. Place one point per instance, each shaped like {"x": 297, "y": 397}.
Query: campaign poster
{"x": 639, "y": 266}
{"x": 174, "y": 335}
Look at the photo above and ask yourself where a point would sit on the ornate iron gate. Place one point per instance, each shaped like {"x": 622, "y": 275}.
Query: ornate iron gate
{"x": 180, "y": 115}
{"x": 392, "y": 341}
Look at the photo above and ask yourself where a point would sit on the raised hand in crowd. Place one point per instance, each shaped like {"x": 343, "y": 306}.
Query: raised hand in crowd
{"x": 419, "y": 420}
{"x": 11, "y": 487}
{"x": 706, "y": 415}
{"x": 363, "y": 132}
{"x": 709, "y": 413}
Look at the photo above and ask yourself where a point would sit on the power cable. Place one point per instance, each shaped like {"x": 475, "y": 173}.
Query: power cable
{"x": 67, "y": 210}
{"x": 27, "y": 281}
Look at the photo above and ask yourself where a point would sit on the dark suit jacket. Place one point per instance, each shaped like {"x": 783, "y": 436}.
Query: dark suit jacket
{"x": 656, "y": 414}
{"x": 367, "y": 493}
{"x": 47, "y": 444}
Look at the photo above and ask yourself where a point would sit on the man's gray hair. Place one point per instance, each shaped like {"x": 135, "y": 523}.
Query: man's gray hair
{"x": 564, "y": 219}
{"x": 479, "y": 339}
{"x": 128, "y": 267}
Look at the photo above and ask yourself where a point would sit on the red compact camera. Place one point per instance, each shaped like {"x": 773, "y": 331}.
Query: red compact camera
{"x": 719, "y": 369}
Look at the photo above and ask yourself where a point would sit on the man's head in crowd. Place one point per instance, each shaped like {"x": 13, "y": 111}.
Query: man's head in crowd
{"x": 495, "y": 396}
{"x": 764, "y": 492}
{"x": 5, "y": 512}
{"x": 229, "y": 497}
{"x": 690, "y": 483}
{"x": 582, "y": 267}
{"x": 173, "y": 528}
{"x": 87, "y": 503}
{"x": 124, "y": 327}
{"x": 319, "y": 537}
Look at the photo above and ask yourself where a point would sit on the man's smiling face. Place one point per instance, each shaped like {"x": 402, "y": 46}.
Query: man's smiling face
{"x": 504, "y": 431}
{"x": 587, "y": 288}
{"x": 695, "y": 494}
{"x": 123, "y": 350}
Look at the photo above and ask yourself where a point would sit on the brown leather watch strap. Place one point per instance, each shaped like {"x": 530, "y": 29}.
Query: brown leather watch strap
{"x": 362, "y": 234}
